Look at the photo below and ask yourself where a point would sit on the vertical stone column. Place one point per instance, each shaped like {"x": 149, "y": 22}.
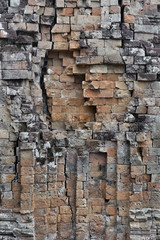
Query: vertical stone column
{"x": 96, "y": 195}
{"x": 82, "y": 217}
{"x": 123, "y": 188}
{"x": 27, "y": 164}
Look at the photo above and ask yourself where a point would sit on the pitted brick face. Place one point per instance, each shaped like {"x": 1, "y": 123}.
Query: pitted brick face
{"x": 79, "y": 119}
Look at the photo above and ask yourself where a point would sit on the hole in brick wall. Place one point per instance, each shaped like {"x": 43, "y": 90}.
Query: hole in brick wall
{"x": 35, "y": 44}
{"x": 158, "y": 8}
{"x": 69, "y": 108}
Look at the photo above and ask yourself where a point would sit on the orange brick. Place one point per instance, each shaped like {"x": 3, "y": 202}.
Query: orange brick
{"x": 39, "y": 220}
{"x": 93, "y": 84}
{"x": 65, "y": 210}
{"x": 146, "y": 195}
{"x": 16, "y": 195}
{"x": 67, "y": 61}
{"x": 148, "y": 143}
{"x": 143, "y": 179}
{"x": 79, "y": 193}
{"x": 107, "y": 84}
{"x": 136, "y": 197}
{"x": 58, "y": 38}
{"x": 27, "y": 179}
{"x": 123, "y": 210}
{"x": 111, "y": 152}
{"x": 111, "y": 210}
{"x": 103, "y": 109}
{"x": 40, "y": 169}
{"x": 52, "y": 228}
{"x": 26, "y": 171}
{"x": 110, "y": 76}
{"x": 7, "y": 178}
{"x": 54, "y": 70}
{"x": 98, "y": 158}
{"x": 137, "y": 170}
{"x": 122, "y": 195}
{"x": 25, "y": 196}
{"x": 86, "y": 194}
{"x": 128, "y": 18}
{"x": 96, "y": 11}
{"x": 58, "y": 101}
{"x": 89, "y": 27}
{"x": 58, "y": 116}
{"x": 26, "y": 188}
{"x": 66, "y": 218}
{"x": 66, "y": 12}
{"x": 40, "y": 236}
{"x": 110, "y": 192}
{"x": 60, "y": 46}
{"x": 66, "y": 78}
{"x": 52, "y": 219}
{"x": 26, "y": 158}
{"x": 93, "y": 77}
{"x": 55, "y": 202}
{"x": 42, "y": 203}
{"x": 94, "y": 167}
{"x": 60, "y": 177}
{"x": 96, "y": 209}
{"x": 96, "y": 202}
{"x": 114, "y": 9}
{"x": 84, "y": 118}
{"x": 61, "y": 28}
{"x": 16, "y": 186}
{"x": 82, "y": 211}
{"x": 9, "y": 203}
{"x": 123, "y": 169}
{"x": 74, "y": 45}
{"x": 88, "y": 93}
{"x": 153, "y": 186}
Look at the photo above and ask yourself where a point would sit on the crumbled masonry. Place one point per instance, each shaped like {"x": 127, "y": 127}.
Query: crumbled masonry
{"x": 80, "y": 119}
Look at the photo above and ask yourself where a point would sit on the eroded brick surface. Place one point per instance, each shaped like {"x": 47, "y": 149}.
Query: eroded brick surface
{"x": 79, "y": 129}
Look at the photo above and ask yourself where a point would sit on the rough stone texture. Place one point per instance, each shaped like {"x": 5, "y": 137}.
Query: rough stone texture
{"x": 80, "y": 119}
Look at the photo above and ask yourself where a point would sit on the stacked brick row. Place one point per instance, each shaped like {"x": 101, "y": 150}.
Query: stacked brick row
{"x": 79, "y": 130}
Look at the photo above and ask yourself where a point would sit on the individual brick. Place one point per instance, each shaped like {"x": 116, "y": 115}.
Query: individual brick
{"x": 59, "y": 28}
{"x": 147, "y": 77}
{"x": 45, "y": 45}
{"x": 40, "y": 3}
{"x": 16, "y": 74}
{"x": 60, "y": 46}
{"x": 60, "y": 3}
{"x": 14, "y": 3}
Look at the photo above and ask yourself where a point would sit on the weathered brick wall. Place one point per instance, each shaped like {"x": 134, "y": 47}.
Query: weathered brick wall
{"x": 80, "y": 119}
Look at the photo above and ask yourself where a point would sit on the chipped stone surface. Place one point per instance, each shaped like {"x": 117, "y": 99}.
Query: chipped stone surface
{"x": 79, "y": 111}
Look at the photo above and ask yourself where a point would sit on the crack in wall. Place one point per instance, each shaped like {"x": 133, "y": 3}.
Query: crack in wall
{"x": 42, "y": 85}
{"x": 69, "y": 201}
{"x": 16, "y": 154}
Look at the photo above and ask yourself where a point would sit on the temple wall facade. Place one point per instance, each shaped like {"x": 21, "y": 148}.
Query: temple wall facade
{"x": 80, "y": 120}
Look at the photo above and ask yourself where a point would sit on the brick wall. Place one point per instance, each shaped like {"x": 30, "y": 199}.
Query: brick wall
{"x": 79, "y": 129}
